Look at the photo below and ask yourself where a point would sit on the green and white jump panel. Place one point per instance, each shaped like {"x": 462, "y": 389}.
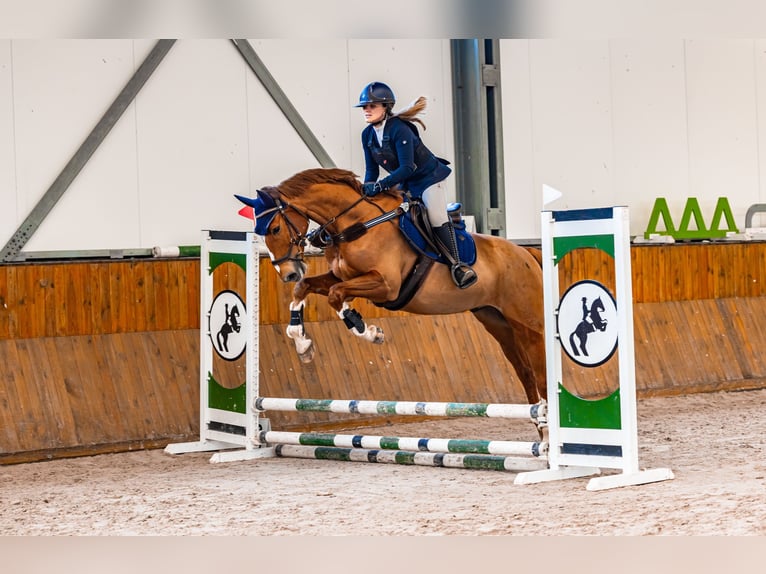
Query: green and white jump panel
{"x": 587, "y": 435}
{"x": 228, "y": 423}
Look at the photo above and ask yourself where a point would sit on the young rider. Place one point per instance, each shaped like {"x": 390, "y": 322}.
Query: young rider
{"x": 391, "y": 141}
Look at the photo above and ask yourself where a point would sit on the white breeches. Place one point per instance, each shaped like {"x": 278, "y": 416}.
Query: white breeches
{"x": 435, "y": 200}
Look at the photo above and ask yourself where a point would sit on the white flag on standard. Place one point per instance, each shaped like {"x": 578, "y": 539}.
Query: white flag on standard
{"x": 550, "y": 194}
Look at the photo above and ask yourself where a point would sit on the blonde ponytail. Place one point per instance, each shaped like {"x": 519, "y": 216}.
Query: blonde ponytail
{"x": 409, "y": 114}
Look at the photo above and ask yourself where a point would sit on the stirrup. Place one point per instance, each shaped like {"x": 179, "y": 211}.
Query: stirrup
{"x": 463, "y": 275}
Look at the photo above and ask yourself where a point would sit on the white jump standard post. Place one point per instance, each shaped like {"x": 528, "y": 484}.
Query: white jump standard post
{"x": 587, "y": 435}
{"x": 228, "y": 422}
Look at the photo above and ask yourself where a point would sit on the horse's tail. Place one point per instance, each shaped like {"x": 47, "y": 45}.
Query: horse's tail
{"x": 537, "y": 254}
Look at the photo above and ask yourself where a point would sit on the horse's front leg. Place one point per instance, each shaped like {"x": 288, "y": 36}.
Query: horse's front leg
{"x": 296, "y": 330}
{"x": 370, "y": 286}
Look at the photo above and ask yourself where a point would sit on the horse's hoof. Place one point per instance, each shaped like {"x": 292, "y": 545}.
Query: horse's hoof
{"x": 308, "y": 355}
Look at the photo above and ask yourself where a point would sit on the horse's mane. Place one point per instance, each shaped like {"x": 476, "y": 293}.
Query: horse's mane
{"x": 297, "y": 184}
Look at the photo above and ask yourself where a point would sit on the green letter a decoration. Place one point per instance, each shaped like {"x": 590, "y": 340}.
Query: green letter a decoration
{"x": 660, "y": 209}
{"x": 722, "y": 209}
{"x": 691, "y": 210}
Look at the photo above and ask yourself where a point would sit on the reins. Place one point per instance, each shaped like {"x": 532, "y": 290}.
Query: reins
{"x": 321, "y": 237}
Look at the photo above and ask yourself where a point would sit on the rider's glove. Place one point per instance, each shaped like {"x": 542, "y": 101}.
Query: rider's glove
{"x": 370, "y": 189}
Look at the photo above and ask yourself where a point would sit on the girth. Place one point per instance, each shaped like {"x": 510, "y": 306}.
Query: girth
{"x": 411, "y": 284}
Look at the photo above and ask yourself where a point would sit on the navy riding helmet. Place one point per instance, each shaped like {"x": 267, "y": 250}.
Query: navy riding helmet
{"x": 376, "y": 93}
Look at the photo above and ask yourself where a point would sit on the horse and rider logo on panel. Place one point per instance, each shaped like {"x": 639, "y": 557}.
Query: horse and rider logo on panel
{"x": 587, "y": 323}
{"x": 225, "y": 326}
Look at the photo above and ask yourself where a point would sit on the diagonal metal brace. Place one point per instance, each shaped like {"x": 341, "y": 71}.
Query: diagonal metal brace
{"x": 85, "y": 151}
{"x": 281, "y": 99}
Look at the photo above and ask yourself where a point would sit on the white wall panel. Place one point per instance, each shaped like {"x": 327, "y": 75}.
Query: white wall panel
{"x": 8, "y": 200}
{"x": 760, "y": 89}
{"x": 523, "y": 199}
{"x": 723, "y": 123}
{"x": 201, "y": 129}
{"x": 650, "y": 129}
{"x": 627, "y": 121}
{"x": 572, "y": 120}
{"x": 62, "y": 88}
{"x": 314, "y": 76}
{"x": 605, "y": 121}
{"x": 192, "y": 143}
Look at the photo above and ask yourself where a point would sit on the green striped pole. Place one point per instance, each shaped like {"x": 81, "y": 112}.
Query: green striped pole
{"x": 177, "y": 251}
{"x": 467, "y": 446}
{"x": 450, "y": 460}
{"x": 508, "y": 411}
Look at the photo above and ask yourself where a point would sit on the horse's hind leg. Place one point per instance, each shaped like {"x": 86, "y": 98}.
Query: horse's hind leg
{"x": 573, "y": 345}
{"x": 523, "y": 347}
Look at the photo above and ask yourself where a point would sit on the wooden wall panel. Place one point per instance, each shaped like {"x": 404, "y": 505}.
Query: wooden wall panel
{"x": 89, "y": 394}
{"x": 63, "y": 299}
{"x": 103, "y": 355}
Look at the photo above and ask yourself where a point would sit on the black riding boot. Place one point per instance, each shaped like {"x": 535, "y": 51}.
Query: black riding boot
{"x": 462, "y": 274}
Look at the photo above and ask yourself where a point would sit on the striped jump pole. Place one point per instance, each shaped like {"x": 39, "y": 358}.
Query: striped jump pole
{"x": 536, "y": 413}
{"x": 446, "y": 460}
{"x": 440, "y": 445}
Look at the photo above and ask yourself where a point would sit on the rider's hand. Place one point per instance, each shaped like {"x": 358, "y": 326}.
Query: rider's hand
{"x": 370, "y": 189}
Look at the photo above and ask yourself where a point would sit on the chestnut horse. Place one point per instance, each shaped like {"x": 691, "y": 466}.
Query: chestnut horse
{"x": 370, "y": 257}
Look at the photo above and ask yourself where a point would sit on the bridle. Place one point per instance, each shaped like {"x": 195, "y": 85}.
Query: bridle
{"x": 297, "y": 239}
{"x": 321, "y": 237}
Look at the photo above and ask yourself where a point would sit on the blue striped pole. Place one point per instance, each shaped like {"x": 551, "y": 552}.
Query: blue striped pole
{"x": 533, "y": 412}
{"x": 449, "y": 460}
{"x": 469, "y": 446}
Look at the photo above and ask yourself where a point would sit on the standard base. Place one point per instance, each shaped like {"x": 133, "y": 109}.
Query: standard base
{"x": 198, "y": 446}
{"x": 549, "y": 474}
{"x": 630, "y": 479}
{"x": 599, "y": 482}
{"x": 237, "y": 455}
{"x": 225, "y": 454}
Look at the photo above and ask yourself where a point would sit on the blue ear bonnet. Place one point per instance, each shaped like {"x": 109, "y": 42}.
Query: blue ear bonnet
{"x": 264, "y": 207}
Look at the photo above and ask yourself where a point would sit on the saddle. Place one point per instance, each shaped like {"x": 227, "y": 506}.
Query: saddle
{"x": 416, "y": 227}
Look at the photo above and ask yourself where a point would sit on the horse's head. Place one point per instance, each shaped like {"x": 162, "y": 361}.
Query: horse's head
{"x": 283, "y": 228}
